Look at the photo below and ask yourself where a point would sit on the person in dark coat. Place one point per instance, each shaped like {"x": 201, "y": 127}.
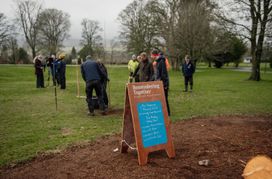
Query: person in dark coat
{"x": 50, "y": 64}
{"x": 188, "y": 70}
{"x": 104, "y": 81}
{"x": 92, "y": 75}
{"x": 161, "y": 73}
{"x": 60, "y": 70}
{"x": 145, "y": 69}
{"x": 39, "y": 71}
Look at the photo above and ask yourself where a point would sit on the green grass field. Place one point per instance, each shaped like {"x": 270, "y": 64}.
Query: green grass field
{"x": 29, "y": 123}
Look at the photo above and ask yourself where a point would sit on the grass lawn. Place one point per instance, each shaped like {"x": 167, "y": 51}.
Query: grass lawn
{"x": 29, "y": 123}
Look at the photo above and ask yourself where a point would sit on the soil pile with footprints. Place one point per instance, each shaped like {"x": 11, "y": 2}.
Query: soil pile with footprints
{"x": 215, "y": 147}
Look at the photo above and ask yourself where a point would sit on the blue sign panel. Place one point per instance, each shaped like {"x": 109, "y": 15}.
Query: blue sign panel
{"x": 152, "y": 124}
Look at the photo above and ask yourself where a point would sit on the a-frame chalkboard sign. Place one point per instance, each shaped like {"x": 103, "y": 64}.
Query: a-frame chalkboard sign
{"x": 146, "y": 120}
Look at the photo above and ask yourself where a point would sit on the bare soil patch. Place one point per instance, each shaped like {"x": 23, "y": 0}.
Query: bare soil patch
{"x": 224, "y": 140}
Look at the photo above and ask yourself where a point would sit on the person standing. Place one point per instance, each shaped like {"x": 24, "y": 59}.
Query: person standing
{"x": 168, "y": 66}
{"x": 145, "y": 69}
{"x": 132, "y": 66}
{"x": 50, "y": 64}
{"x": 60, "y": 70}
{"x": 161, "y": 74}
{"x": 39, "y": 71}
{"x": 92, "y": 75}
{"x": 188, "y": 70}
{"x": 104, "y": 80}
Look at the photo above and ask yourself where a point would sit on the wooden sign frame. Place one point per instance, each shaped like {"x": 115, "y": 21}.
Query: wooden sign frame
{"x": 146, "y": 120}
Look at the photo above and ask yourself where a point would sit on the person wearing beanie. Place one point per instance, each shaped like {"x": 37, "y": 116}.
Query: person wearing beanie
{"x": 161, "y": 73}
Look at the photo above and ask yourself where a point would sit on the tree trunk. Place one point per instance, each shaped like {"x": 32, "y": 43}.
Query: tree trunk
{"x": 256, "y": 59}
{"x": 255, "y": 73}
{"x": 33, "y": 52}
{"x": 210, "y": 64}
{"x": 176, "y": 63}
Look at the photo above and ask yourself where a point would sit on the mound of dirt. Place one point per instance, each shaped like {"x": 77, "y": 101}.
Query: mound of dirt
{"x": 227, "y": 142}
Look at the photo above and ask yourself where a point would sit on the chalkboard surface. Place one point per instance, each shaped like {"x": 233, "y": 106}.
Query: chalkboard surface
{"x": 152, "y": 123}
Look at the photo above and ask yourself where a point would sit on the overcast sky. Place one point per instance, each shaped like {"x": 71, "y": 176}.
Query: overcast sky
{"x": 104, "y": 11}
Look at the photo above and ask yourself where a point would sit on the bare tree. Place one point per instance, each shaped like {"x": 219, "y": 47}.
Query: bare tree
{"x": 27, "y": 14}
{"x": 13, "y": 46}
{"x": 166, "y": 12}
{"x": 194, "y": 29}
{"x": 4, "y": 28}
{"x": 91, "y": 37}
{"x": 139, "y": 27}
{"x": 113, "y": 44}
{"x": 253, "y": 17}
{"x": 54, "y": 28}
{"x": 181, "y": 26}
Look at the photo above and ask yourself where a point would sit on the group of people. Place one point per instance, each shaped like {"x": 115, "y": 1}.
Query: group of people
{"x": 141, "y": 69}
{"x": 94, "y": 73}
{"x": 56, "y": 69}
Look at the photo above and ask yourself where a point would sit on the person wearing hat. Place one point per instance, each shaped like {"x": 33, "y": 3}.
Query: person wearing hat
{"x": 60, "y": 69}
{"x": 161, "y": 73}
{"x": 132, "y": 66}
{"x": 168, "y": 66}
{"x": 92, "y": 75}
{"x": 39, "y": 71}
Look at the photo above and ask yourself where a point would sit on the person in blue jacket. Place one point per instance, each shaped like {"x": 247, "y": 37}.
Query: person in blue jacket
{"x": 92, "y": 75}
{"x": 60, "y": 70}
{"x": 188, "y": 70}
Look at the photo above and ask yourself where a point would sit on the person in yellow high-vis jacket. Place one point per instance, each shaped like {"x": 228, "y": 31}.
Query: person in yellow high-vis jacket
{"x": 132, "y": 66}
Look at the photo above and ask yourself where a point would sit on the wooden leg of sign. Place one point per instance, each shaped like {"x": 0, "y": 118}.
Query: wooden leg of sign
{"x": 142, "y": 158}
{"x": 170, "y": 151}
{"x": 128, "y": 132}
{"x": 170, "y": 146}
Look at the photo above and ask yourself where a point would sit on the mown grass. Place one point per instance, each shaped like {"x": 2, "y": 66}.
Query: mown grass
{"x": 30, "y": 124}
